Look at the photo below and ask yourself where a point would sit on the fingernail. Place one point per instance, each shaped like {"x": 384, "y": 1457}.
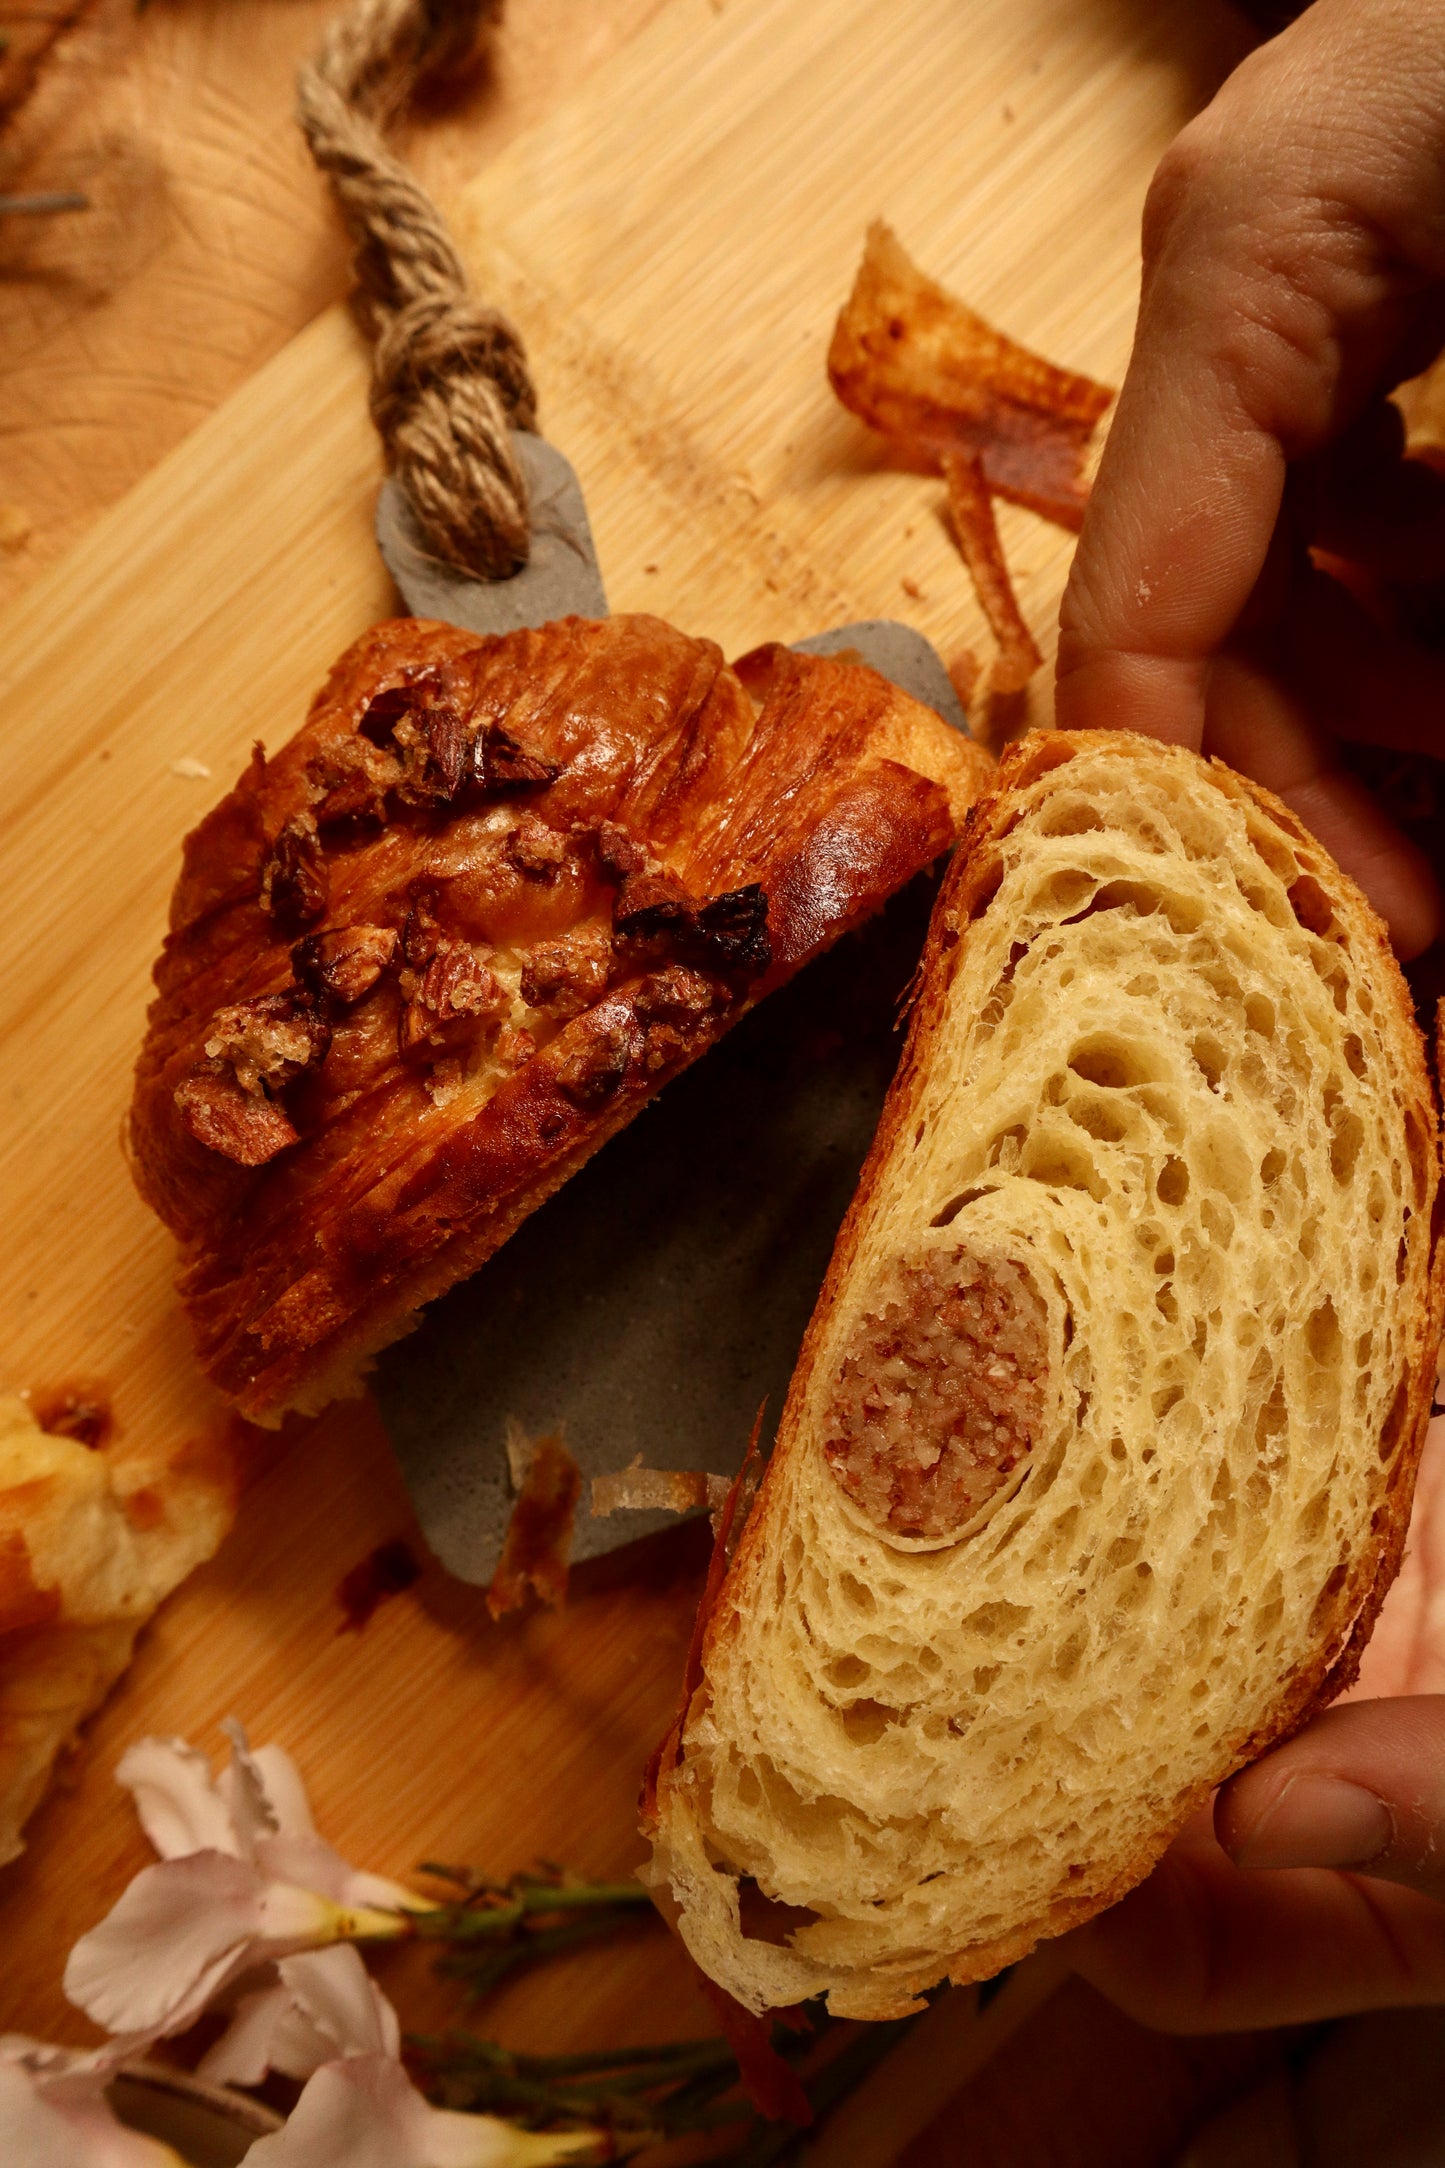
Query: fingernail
{"x": 1318, "y": 1821}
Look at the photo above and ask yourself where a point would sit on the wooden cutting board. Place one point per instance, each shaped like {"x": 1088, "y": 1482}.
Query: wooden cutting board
{"x": 674, "y": 244}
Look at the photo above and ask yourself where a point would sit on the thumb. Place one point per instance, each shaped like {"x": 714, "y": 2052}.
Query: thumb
{"x": 1361, "y": 1788}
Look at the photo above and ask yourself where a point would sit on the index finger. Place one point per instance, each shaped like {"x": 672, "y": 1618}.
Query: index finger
{"x": 1288, "y": 236}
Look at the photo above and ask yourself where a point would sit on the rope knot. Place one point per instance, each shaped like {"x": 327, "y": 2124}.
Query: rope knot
{"x": 449, "y": 373}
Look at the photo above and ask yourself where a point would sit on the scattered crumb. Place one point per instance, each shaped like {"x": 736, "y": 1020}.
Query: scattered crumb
{"x": 1008, "y": 112}
{"x": 79, "y": 1409}
{"x": 194, "y": 771}
{"x": 911, "y": 587}
{"x": 15, "y": 526}
{"x": 650, "y": 568}
{"x": 390, "y": 1568}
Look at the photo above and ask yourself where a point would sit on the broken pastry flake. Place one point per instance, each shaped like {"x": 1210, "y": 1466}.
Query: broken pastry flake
{"x": 538, "y": 1545}
{"x": 976, "y": 530}
{"x": 912, "y": 361}
{"x": 637, "y": 1489}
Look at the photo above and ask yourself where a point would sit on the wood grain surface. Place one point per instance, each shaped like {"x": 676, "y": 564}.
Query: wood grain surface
{"x": 674, "y": 242}
{"x": 210, "y": 241}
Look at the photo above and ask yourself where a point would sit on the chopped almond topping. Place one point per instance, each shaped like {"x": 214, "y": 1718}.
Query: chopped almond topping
{"x": 267, "y": 1042}
{"x": 348, "y": 783}
{"x": 562, "y": 978}
{"x": 454, "y": 989}
{"x": 535, "y": 849}
{"x": 341, "y": 967}
{"x": 594, "y": 1071}
{"x": 229, "y": 1120}
{"x": 295, "y": 883}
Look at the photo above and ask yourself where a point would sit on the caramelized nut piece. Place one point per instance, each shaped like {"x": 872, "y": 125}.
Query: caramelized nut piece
{"x": 618, "y": 853}
{"x": 593, "y": 1073}
{"x": 421, "y": 929}
{"x": 294, "y": 878}
{"x": 238, "y": 1124}
{"x": 267, "y": 1042}
{"x": 341, "y": 966}
{"x": 652, "y": 907}
{"x": 563, "y": 978}
{"x": 535, "y": 849}
{"x": 384, "y": 710}
{"x": 435, "y": 748}
{"x": 673, "y": 1006}
{"x": 348, "y": 784}
{"x": 500, "y": 763}
{"x": 730, "y": 932}
{"x": 452, "y": 991}
{"x": 514, "y": 1046}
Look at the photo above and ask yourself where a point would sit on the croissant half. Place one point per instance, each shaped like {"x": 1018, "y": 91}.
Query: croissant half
{"x": 1098, "y": 1459}
{"x": 426, "y": 958}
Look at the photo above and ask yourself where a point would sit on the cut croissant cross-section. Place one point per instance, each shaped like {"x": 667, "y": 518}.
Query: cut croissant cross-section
{"x": 429, "y": 956}
{"x": 1098, "y": 1458}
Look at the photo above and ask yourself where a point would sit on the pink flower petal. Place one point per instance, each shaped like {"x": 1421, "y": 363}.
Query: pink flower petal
{"x": 68, "y": 2126}
{"x": 243, "y": 1788}
{"x": 285, "y": 1792}
{"x": 267, "y": 2032}
{"x": 179, "y": 1932}
{"x": 334, "y": 1990}
{"x": 179, "y": 1807}
{"x": 365, "y": 2113}
{"x": 311, "y": 1863}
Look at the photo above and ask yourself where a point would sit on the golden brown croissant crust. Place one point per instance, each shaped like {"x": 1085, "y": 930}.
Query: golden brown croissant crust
{"x": 454, "y": 934}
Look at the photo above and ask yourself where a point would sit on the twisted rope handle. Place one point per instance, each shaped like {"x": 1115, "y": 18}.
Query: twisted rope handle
{"x": 449, "y": 372}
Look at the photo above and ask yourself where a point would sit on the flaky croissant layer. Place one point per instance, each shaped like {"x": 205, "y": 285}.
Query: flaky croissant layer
{"x": 1099, "y": 1455}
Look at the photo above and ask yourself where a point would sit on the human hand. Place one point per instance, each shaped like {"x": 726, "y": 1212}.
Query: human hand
{"x": 1219, "y": 1939}
{"x": 1294, "y": 271}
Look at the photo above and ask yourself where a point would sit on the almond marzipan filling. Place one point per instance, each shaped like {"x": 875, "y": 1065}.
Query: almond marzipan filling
{"x": 940, "y": 1391}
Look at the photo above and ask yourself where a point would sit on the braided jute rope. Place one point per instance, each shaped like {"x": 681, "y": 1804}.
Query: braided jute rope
{"x": 449, "y": 372}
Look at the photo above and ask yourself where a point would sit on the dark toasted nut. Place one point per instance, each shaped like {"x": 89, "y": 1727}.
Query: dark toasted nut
{"x": 617, "y": 852}
{"x": 267, "y": 1042}
{"x": 652, "y": 907}
{"x": 435, "y": 747}
{"x": 535, "y": 849}
{"x": 384, "y": 710}
{"x": 594, "y": 1072}
{"x": 730, "y": 932}
{"x": 501, "y": 763}
{"x": 294, "y": 879}
{"x": 453, "y": 990}
{"x": 342, "y": 966}
{"x": 514, "y": 1046}
{"x": 676, "y": 996}
{"x": 421, "y": 929}
{"x": 674, "y": 1006}
{"x": 563, "y": 978}
{"x": 348, "y": 784}
{"x": 240, "y": 1125}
